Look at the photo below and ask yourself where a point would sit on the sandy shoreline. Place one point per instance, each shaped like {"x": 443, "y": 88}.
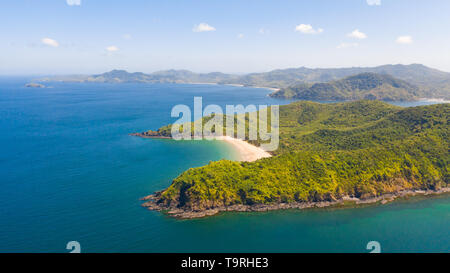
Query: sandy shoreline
{"x": 247, "y": 152}
{"x": 234, "y": 84}
{"x": 270, "y": 88}
{"x": 253, "y": 86}
{"x": 434, "y": 100}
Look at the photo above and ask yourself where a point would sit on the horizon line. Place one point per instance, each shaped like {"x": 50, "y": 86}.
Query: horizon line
{"x": 231, "y": 73}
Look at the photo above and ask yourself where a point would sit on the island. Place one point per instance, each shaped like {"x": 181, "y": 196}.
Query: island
{"x": 34, "y": 85}
{"x": 329, "y": 154}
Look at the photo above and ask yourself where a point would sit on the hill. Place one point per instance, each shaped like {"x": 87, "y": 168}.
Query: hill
{"x": 415, "y": 73}
{"x": 370, "y": 86}
{"x": 166, "y": 76}
{"x": 432, "y": 83}
{"x": 327, "y": 152}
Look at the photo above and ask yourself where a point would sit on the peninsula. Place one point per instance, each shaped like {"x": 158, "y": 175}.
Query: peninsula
{"x": 362, "y": 152}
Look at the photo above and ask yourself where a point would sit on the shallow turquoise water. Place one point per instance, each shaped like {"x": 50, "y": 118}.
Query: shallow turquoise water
{"x": 69, "y": 171}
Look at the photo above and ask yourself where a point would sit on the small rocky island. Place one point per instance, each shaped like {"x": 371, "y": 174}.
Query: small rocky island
{"x": 34, "y": 85}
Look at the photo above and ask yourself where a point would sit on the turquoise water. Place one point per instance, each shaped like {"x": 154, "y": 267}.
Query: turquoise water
{"x": 70, "y": 172}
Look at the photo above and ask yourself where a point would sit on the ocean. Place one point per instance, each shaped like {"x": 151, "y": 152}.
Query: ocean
{"x": 69, "y": 171}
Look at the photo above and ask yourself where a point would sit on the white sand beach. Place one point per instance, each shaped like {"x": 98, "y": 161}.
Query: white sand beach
{"x": 435, "y": 100}
{"x": 270, "y": 88}
{"x": 247, "y": 152}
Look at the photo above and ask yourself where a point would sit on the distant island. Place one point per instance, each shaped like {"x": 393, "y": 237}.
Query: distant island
{"x": 34, "y": 85}
{"x": 387, "y": 82}
{"x": 329, "y": 154}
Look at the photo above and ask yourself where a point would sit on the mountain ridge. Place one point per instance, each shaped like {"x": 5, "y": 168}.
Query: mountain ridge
{"x": 433, "y": 83}
{"x": 366, "y": 85}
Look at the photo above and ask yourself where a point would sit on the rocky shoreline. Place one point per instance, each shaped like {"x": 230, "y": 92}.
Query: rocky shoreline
{"x": 149, "y": 135}
{"x": 151, "y": 204}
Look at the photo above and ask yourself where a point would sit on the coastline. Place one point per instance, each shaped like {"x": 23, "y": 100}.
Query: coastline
{"x": 274, "y": 89}
{"x": 209, "y": 196}
{"x": 434, "y": 100}
{"x": 145, "y": 135}
{"x": 253, "y": 86}
{"x": 347, "y": 201}
{"x": 246, "y": 151}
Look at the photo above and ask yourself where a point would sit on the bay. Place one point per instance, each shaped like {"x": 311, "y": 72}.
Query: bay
{"x": 70, "y": 172}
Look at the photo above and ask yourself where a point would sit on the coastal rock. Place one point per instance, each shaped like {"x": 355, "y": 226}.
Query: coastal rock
{"x": 185, "y": 213}
{"x": 150, "y": 134}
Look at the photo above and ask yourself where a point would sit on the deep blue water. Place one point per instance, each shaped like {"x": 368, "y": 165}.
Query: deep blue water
{"x": 70, "y": 172}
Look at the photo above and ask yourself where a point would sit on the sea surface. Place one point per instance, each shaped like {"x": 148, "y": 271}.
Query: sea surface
{"x": 69, "y": 171}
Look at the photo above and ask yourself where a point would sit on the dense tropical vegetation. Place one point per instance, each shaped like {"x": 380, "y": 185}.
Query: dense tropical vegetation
{"x": 327, "y": 151}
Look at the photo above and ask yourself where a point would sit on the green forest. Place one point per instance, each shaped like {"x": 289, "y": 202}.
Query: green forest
{"x": 327, "y": 151}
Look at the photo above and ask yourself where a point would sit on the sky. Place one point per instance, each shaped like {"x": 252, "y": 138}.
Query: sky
{"x": 43, "y": 37}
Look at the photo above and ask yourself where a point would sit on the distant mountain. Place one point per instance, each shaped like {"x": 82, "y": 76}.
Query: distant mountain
{"x": 119, "y": 76}
{"x": 370, "y": 86}
{"x": 432, "y": 82}
{"x": 415, "y": 73}
{"x": 166, "y": 76}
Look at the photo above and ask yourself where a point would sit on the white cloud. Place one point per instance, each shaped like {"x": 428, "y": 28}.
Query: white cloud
{"x": 373, "y": 2}
{"x": 73, "y": 2}
{"x": 112, "y": 48}
{"x": 307, "y": 29}
{"x": 127, "y": 36}
{"x": 49, "y": 42}
{"x": 347, "y": 45}
{"x": 202, "y": 27}
{"x": 240, "y": 36}
{"x": 405, "y": 40}
{"x": 357, "y": 34}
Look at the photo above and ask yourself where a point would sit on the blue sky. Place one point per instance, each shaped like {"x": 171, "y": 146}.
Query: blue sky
{"x": 234, "y": 36}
